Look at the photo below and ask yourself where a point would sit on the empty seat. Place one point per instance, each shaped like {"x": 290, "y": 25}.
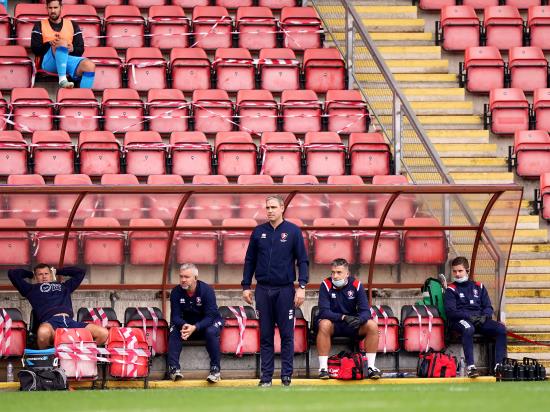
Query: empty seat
{"x": 147, "y": 247}
{"x": 78, "y": 110}
{"x": 544, "y": 195}
{"x": 5, "y": 26}
{"x": 151, "y": 321}
{"x": 25, "y": 16}
{"x": 26, "y": 207}
{"x": 509, "y": 110}
{"x": 541, "y": 109}
{"x": 422, "y": 328}
{"x": 435, "y": 4}
{"x": 88, "y": 20}
{"x": 168, "y": 110}
{"x": 253, "y": 205}
{"x": 198, "y": 246}
{"x": 233, "y": 4}
{"x": 425, "y": 247}
{"x": 388, "y": 248}
{"x": 32, "y": 109}
{"x": 48, "y": 243}
{"x": 538, "y": 22}
{"x": 346, "y": 111}
{"x": 189, "y": 69}
{"x": 52, "y": 153}
{"x": 64, "y": 204}
{"x": 351, "y": 207}
{"x": 236, "y": 154}
{"x": 528, "y": 68}
{"x": 108, "y": 67}
{"x": 144, "y": 4}
{"x": 324, "y": 69}
{"x": 257, "y": 28}
{"x": 14, "y": 246}
{"x": 279, "y": 70}
{"x": 13, "y": 333}
{"x": 102, "y": 316}
{"x": 503, "y": 27}
{"x": 325, "y": 154}
{"x": 13, "y": 152}
{"x": 235, "y": 241}
{"x": 146, "y": 68}
{"x": 483, "y": 69}
{"x": 145, "y": 153}
{"x": 234, "y": 69}
{"x": 369, "y": 154}
{"x": 332, "y": 244}
{"x": 191, "y": 154}
{"x": 301, "y": 28}
{"x": 168, "y": 27}
{"x": 122, "y": 110}
{"x": 16, "y": 68}
{"x": 164, "y": 206}
{"x": 124, "y": 27}
{"x": 277, "y": 4}
{"x": 241, "y": 332}
{"x": 301, "y": 111}
{"x": 460, "y": 27}
{"x": 212, "y": 27}
{"x": 257, "y": 111}
{"x": 532, "y": 153}
{"x": 101, "y": 4}
{"x": 402, "y": 208}
{"x": 304, "y": 206}
{"x": 212, "y": 111}
{"x": 305, "y": 233}
{"x": 99, "y": 153}
{"x": 102, "y": 247}
{"x": 523, "y": 4}
{"x": 121, "y": 206}
{"x": 215, "y": 207}
{"x": 280, "y": 154}
{"x": 480, "y": 4}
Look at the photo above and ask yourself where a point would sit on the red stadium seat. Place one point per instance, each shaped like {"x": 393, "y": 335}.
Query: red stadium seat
{"x": 253, "y": 205}
{"x": 301, "y": 28}
{"x": 120, "y": 206}
{"x": 234, "y": 69}
{"x": 78, "y": 110}
{"x": 351, "y": 207}
{"x": 306, "y": 206}
{"x": 523, "y": 4}
{"x": 52, "y": 153}
{"x": 48, "y": 243}
{"x": 257, "y": 28}
{"x": 484, "y": 69}
{"x": 16, "y": 68}
{"x": 528, "y": 68}
{"x": 301, "y": 334}
{"x": 99, "y": 153}
{"x": 421, "y": 330}
{"x": 389, "y": 243}
{"x": 123, "y": 111}
{"x": 280, "y": 154}
{"x": 257, "y": 111}
{"x": 480, "y": 4}
{"x": 191, "y": 154}
{"x": 4, "y": 113}
{"x": 346, "y": 111}
{"x": 235, "y": 242}
{"x": 332, "y": 244}
{"x": 146, "y": 68}
{"x": 164, "y": 206}
{"x": 369, "y": 154}
{"x": 541, "y": 109}
{"x": 101, "y": 4}
{"x": 189, "y": 4}
{"x": 147, "y": 247}
{"x": 236, "y": 154}
{"x": 25, "y": 16}
{"x": 509, "y": 110}
{"x": 460, "y": 27}
{"x": 325, "y": 154}
{"x": 538, "y": 23}
{"x": 212, "y": 206}
{"x": 145, "y": 153}
{"x": 503, "y": 27}
{"x": 88, "y": 20}
{"x": 189, "y": 69}
{"x": 424, "y": 247}
{"x": 124, "y": 27}
{"x": 168, "y": 27}
{"x": 300, "y": 224}
{"x": 435, "y": 4}
{"x": 168, "y": 110}
{"x": 212, "y": 26}
{"x": 102, "y": 247}
{"x": 124, "y": 366}
{"x": 102, "y": 316}
{"x": 5, "y": 26}
{"x": 14, "y": 246}
{"x": 277, "y": 4}
{"x": 324, "y": 69}
{"x": 301, "y": 111}
{"x": 108, "y": 71}
{"x": 14, "y": 333}
{"x": 79, "y": 368}
{"x": 13, "y": 151}
{"x": 144, "y": 4}
{"x": 402, "y": 208}
{"x": 212, "y": 111}
{"x": 545, "y": 195}
{"x": 388, "y": 329}
{"x": 201, "y": 247}
{"x": 65, "y": 203}
{"x": 279, "y": 70}
{"x": 151, "y": 321}
{"x": 32, "y": 109}
{"x": 233, "y": 4}
{"x": 233, "y": 337}
{"x": 26, "y": 207}
{"x": 532, "y": 151}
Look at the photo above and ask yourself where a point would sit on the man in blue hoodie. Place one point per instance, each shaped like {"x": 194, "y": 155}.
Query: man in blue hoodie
{"x": 275, "y": 249}
{"x": 468, "y": 308}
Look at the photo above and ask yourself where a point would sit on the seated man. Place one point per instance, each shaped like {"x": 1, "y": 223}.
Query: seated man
{"x": 194, "y": 312}
{"x": 51, "y": 301}
{"x": 344, "y": 311}
{"x": 468, "y": 308}
{"x": 58, "y": 45}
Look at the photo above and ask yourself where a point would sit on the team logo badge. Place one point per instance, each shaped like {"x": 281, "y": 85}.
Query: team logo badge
{"x": 350, "y": 294}
{"x": 264, "y": 236}
{"x": 182, "y": 300}
{"x": 333, "y": 296}
{"x": 284, "y": 237}
{"x": 199, "y": 301}
{"x": 476, "y": 293}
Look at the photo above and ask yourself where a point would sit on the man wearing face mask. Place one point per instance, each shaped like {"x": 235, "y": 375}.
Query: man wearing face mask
{"x": 194, "y": 315}
{"x": 344, "y": 311}
{"x": 468, "y": 308}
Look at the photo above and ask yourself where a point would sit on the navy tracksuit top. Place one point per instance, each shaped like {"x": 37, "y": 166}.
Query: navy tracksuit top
{"x": 273, "y": 254}
{"x": 463, "y": 300}
{"x": 348, "y": 300}
{"x": 200, "y": 309}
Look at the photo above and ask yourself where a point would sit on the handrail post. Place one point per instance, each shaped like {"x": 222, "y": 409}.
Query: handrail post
{"x": 350, "y": 37}
{"x": 397, "y": 125}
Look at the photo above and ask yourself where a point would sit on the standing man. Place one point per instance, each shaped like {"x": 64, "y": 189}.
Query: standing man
{"x": 58, "y": 45}
{"x": 275, "y": 249}
{"x": 194, "y": 315}
{"x": 468, "y": 308}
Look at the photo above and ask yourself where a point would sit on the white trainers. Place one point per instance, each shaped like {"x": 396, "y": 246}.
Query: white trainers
{"x": 176, "y": 375}
{"x": 65, "y": 84}
{"x": 374, "y": 373}
{"x": 214, "y": 376}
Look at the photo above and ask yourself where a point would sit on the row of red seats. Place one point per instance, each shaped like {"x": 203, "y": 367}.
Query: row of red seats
{"x": 209, "y": 27}
{"x": 188, "y": 4}
{"x": 477, "y": 4}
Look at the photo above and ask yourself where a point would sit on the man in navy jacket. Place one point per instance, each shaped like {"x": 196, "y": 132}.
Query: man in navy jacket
{"x": 275, "y": 249}
{"x": 344, "y": 311}
{"x": 194, "y": 315}
{"x": 468, "y": 308}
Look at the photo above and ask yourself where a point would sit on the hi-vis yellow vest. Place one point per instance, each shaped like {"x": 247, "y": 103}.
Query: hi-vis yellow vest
{"x": 49, "y": 34}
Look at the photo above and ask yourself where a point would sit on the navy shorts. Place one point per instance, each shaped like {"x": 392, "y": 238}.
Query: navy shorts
{"x": 342, "y": 329}
{"x": 65, "y": 322}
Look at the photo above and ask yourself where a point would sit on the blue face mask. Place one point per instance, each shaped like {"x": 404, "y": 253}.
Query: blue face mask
{"x": 461, "y": 280}
{"x": 340, "y": 282}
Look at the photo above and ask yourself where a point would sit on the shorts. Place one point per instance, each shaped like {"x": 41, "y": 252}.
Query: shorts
{"x": 48, "y": 63}
{"x": 60, "y": 321}
{"x": 342, "y": 329}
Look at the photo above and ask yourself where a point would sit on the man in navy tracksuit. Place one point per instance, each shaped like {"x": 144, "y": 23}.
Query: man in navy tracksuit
{"x": 194, "y": 314}
{"x": 275, "y": 249}
{"x": 51, "y": 300}
{"x": 344, "y": 311}
{"x": 468, "y": 308}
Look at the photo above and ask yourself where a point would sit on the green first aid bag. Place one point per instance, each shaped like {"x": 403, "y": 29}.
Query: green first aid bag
{"x": 434, "y": 294}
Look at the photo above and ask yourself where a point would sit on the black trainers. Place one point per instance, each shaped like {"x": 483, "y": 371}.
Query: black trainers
{"x": 264, "y": 384}
{"x": 374, "y": 373}
{"x": 286, "y": 380}
{"x": 215, "y": 375}
{"x": 323, "y": 374}
{"x": 471, "y": 371}
{"x": 176, "y": 375}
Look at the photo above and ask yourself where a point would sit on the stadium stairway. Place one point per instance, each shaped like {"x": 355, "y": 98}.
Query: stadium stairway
{"x": 454, "y": 122}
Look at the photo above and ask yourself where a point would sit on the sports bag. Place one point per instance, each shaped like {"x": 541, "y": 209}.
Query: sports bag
{"x": 346, "y": 366}
{"x": 53, "y": 379}
{"x": 432, "y": 364}
{"x": 433, "y": 294}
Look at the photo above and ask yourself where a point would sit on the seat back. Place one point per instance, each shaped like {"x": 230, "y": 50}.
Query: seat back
{"x": 102, "y": 316}
{"x": 13, "y": 333}
{"x": 241, "y": 332}
{"x": 135, "y": 358}
{"x": 153, "y": 324}
{"x": 77, "y": 353}
{"x": 423, "y": 328}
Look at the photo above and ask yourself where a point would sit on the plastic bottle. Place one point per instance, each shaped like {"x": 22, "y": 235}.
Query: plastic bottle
{"x": 462, "y": 367}
{"x": 9, "y": 372}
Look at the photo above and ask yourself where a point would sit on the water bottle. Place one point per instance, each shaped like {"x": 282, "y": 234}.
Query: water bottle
{"x": 462, "y": 367}
{"x": 9, "y": 372}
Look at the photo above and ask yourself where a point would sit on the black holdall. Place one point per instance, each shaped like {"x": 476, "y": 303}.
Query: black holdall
{"x": 41, "y": 372}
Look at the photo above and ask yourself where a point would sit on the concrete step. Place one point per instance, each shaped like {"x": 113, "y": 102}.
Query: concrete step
{"x": 527, "y": 279}
{"x": 454, "y": 150}
{"x": 527, "y": 293}
{"x": 538, "y": 248}
{"x": 475, "y": 164}
{"x": 387, "y": 39}
{"x": 483, "y": 177}
{"x": 525, "y": 236}
{"x": 411, "y": 80}
{"x": 528, "y": 348}
{"x": 538, "y": 337}
{"x": 528, "y": 321}
{"x": 405, "y": 66}
{"x": 527, "y": 307}
{"x": 458, "y": 122}
{"x": 458, "y": 136}
{"x": 529, "y": 266}
{"x": 402, "y": 52}
{"x": 388, "y": 12}
{"x": 380, "y": 25}
{"x": 418, "y": 94}
{"x": 429, "y": 107}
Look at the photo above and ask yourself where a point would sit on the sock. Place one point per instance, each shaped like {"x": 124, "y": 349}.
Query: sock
{"x": 323, "y": 362}
{"x": 371, "y": 358}
{"x": 87, "y": 80}
{"x": 61, "y": 57}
